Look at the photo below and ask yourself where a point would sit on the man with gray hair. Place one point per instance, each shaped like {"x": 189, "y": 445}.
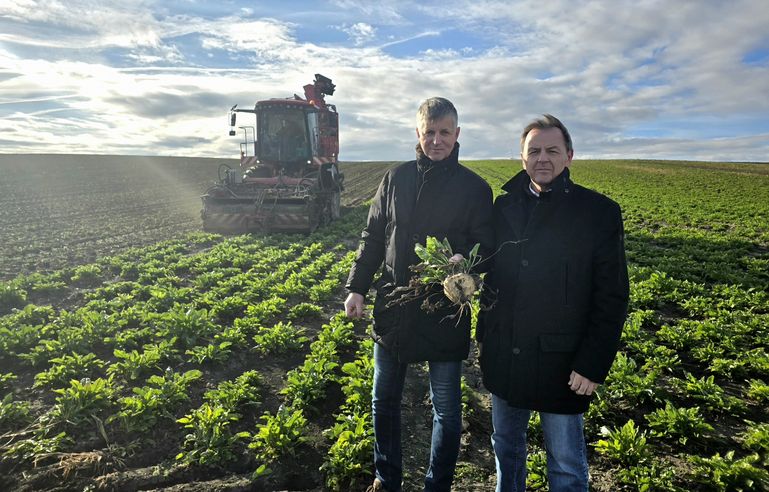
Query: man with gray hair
{"x": 559, "y": 283}
{"x": 436, "y": 196}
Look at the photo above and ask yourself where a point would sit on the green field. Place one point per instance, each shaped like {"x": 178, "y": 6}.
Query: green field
{"x": 201, "y": 361}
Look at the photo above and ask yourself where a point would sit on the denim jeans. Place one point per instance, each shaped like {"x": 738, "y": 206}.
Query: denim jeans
{"x": 564, "y": 444}
{"x": 446, "y": 396}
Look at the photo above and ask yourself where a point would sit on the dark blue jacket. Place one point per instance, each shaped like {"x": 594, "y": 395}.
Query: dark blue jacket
{"x": 559, "y": 288}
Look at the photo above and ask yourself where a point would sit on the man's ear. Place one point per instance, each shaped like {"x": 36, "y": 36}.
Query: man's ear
{"x": 457, "y": 135}
{"x": 570, "y": 155}
{"x": 418, "y": 137}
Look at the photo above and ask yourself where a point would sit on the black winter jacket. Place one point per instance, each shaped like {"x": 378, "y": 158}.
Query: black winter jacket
{"x": 418, "y": 199}
{"x": 560, "y": 289}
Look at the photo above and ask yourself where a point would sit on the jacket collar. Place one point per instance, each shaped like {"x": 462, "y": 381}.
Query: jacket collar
{"x": 514, "y": 205}
{"x": 424, "y": 163}
{"x": 560, "y": 185}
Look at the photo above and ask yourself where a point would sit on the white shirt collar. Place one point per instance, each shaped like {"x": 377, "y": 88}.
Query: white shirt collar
{"x": 533, "y": 190}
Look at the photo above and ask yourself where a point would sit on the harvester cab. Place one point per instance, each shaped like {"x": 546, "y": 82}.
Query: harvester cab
{"x": 288, "y": 178}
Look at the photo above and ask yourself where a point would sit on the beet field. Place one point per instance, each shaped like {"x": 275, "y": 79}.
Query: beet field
{"x": 139, "y": 353}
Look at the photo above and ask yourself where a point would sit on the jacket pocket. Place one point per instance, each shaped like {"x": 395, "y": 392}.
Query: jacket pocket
{"x": 386, "y": 321}
{"x": 385, "y": 316}
{"x": 555, "y": 365}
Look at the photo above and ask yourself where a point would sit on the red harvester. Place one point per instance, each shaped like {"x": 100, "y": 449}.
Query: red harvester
{"x": 288, "y": 180}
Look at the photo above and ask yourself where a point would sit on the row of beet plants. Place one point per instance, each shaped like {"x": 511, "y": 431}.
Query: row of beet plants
{"x": 686, "y": 379}
{"x": 126, "y": 315}
{"x": 211, "y": 441}
{"x": 352, "y": 435}
{"x": 113, "y": 352}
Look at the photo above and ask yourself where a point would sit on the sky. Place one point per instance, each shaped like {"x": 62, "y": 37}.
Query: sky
{"x": 646, "y": 79}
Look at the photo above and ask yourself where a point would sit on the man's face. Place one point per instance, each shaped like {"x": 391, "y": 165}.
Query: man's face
{"x": 437, "y": 138}
{"x": 544, "y": 156}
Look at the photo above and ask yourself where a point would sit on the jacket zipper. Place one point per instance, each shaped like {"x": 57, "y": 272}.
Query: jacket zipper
{"x": 566, "y": 284}
{"x": 530, "y": 218}
{"x": 422, "y": 183}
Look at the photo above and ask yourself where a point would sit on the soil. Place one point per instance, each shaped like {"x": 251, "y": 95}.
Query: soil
{"x": 58, "y": 212}
{"x": 89, "y": 225}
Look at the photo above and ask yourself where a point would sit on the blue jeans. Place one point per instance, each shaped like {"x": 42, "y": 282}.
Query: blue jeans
{"x": 446, "y": 395}
{"x": 564, "y": 443}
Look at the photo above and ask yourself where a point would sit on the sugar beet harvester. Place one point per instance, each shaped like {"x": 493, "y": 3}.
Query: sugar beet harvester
{"x": 289, "y": 179}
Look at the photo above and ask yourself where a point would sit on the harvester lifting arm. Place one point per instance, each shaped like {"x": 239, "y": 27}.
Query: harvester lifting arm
{"x": 316, "y": 91}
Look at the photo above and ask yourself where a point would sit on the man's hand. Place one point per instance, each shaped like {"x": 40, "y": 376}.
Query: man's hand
{"x": 581, "y": 385}
{"x": 353, "y": 305}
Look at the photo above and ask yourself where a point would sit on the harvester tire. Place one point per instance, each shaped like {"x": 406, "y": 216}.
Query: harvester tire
{"x": 335, "y": 206}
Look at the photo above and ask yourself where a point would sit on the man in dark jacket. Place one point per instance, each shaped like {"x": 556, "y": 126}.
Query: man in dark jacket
{"x": 559, "y": 289}
{"x": 433, "y": 195}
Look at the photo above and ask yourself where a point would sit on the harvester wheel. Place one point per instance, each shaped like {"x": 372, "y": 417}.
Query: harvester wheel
{"x": 335, "y": 205}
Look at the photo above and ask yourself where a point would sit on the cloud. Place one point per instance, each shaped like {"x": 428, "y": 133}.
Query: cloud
{"x": 267, "y": 38}
{"x": 721, "y": 149}
{"x": 161, "y": 55}
{"x": 360, "y": 32}
{"x": 78, "y": 24}
{"x": 632, "y": 80}
{"x": 168, "y": 105}
{"x": 382, "y": 11}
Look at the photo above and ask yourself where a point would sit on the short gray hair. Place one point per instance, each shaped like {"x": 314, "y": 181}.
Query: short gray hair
{"x": 436, "y": 108}
{"x": 548, "y": 121}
